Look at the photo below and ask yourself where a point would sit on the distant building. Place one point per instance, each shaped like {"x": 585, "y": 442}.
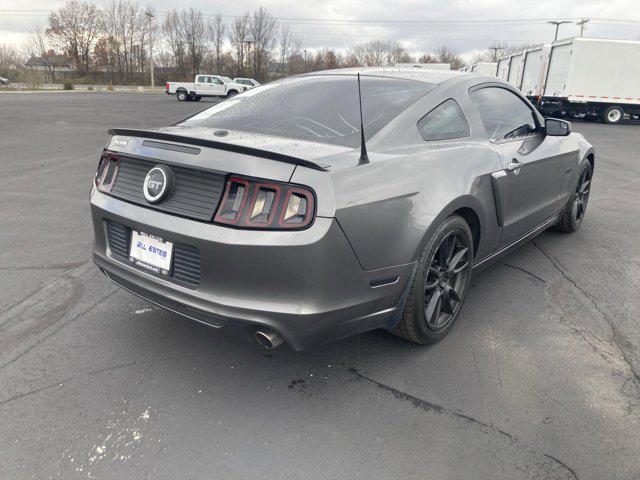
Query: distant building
{"x": 59, "y": 62}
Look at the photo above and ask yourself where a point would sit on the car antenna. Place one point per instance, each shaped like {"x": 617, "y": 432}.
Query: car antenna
{"x": 364, "y": 158}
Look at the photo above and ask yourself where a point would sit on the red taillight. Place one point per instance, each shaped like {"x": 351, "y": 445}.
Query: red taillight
{"x": 107, "y": 171}
{"x": 167, "y": 87}
{"x": 265, "y": 205}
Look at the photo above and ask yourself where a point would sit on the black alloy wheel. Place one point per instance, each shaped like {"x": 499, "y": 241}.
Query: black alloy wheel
{"x": 576, "y": 207}
{"x": 446, "y": 280}
{"x": 581, "y": 196}
{"x": 439, "y": 285}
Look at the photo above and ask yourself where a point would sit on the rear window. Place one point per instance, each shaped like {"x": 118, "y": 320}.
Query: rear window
{"x": 320, "y": 107}
{"x": 445, "y": 122}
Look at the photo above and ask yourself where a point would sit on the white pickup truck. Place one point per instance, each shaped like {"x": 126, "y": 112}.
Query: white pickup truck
{"x": 205, "y": 86}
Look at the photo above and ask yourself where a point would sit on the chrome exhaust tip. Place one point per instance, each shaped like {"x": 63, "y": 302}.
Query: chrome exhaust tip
{"x": 267, "y": 339}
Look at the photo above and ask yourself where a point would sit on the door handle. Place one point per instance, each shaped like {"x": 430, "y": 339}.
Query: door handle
{"x": 514, "y": 165}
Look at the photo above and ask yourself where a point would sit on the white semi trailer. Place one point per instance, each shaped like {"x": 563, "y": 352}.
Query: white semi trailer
{"x": 579, "y": 77}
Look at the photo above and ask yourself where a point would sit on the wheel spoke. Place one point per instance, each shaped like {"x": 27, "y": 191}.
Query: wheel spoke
{"x": 445, "y": 251}
{"x": 584, "y": 188}
{"x": 449, "y": 295}
{"x": 446, "y": 301}
{"x": 456, "y": 260}
{"x": 574, "y": 209}
{"x": 433, "y": 308}
{"x": 430, "y": 283}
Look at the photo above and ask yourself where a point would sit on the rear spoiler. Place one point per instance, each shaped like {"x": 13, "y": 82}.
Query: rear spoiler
{"x": 229, "y": 147}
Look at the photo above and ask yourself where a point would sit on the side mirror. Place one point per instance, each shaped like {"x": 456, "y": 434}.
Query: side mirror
{"x": 557, "y": 128}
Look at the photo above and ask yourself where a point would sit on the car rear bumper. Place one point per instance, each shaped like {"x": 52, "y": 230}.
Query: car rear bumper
{"x": 307, "y": 286}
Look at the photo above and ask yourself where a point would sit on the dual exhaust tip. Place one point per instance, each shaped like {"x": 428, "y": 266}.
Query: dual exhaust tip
{"x": 268, "y": 339}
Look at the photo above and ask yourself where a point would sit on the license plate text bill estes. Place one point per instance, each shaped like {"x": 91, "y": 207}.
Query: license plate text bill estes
{"x": 151, "y": 252}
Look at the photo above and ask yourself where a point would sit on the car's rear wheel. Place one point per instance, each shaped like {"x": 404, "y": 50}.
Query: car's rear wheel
{"x": 440, "y": 284}
{"x": 182, "y": 96}
{"x": 576, "y": 207}
{"x": 231, "y": 93}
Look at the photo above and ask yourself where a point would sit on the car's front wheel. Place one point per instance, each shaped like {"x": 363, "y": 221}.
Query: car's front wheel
{"x": 440, "y": 284}
{"x": 182, "y": 96}
{"x": 576, "y": 207}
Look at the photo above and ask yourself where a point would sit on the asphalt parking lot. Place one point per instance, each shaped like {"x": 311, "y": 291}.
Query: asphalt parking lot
{"x": 535, "y": 381}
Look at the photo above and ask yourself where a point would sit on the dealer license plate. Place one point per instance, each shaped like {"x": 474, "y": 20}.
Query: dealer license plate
{"x": 151, "y": 252}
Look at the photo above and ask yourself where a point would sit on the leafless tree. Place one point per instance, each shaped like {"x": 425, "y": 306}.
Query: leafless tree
{"x": 446, "y": 55}
{"x": 427, "y": 58}
{"x": 74, "y": 28}
{"x": 262, "y": 29}
{"x": 37, "y": 44}
{"x": 287, "y": 43}
{"x": 217, "y": 31}
{"x": 193, "y": 30}
{"x": 126, "y": 37}
{"x": 10, "y": 57}
{"x": 175, "y": 42}
{"x": 376, "y": 53}
{"x": 238, "y": 35}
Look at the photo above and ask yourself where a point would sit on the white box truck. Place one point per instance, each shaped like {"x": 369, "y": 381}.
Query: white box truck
{"x": 533, "y": 70}
{"x": 592, "y": 78}
{"x": 509, "y": 68}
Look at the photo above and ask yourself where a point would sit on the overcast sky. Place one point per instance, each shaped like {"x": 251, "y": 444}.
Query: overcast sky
{"x": 421, "y": 25}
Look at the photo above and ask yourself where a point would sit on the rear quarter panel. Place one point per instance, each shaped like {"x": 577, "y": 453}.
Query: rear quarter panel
{"x": 389, "y": 208}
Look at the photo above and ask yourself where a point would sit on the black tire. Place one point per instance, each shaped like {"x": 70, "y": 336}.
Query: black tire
{"x": 613, "y": 115}
{"x": 196, "y": 99}
{"x": 576, "y": 207}
{"x": 231, "y": 93}
{"x": 434, "y": 280}
{"x": 182, "y": 96}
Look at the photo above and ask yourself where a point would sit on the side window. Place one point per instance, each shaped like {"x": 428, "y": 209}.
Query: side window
{"x": 445, "y": 122}
{"x": 503, "y": 113}
{"x": 203, "y": 79}
{"x": 216, "y": 80}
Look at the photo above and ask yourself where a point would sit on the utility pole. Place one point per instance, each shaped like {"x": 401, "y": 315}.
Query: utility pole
{"x": 495, "y": 53}
{"x": 583, "y": 25}
{"x": 305, "y": 60}
{"x": 151, "y": 16}
{"x": 557, "y": 24}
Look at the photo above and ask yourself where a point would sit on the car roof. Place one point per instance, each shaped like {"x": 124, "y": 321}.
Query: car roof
{"x": 421, "y": 74}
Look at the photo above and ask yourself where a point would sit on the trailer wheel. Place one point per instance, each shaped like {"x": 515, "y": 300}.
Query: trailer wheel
{"x": 613, "y": 115}
{"x": 182, "y": 96}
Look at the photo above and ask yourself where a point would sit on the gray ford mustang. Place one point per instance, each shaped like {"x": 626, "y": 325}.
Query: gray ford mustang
{"x": 275, "y": 215}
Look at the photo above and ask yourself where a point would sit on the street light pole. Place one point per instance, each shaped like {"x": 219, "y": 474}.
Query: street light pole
{"x": 557, "y": 24}
{"x": 151, "y": 16}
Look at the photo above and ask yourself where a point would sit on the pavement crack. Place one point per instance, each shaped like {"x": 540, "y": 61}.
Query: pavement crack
{"x": 62, "y": 275}
{"x": 46, "y": 267}
{"x": 56, "y": 330}
{"x": 525, "y": 271}
{"x": 439, "y": 409}
{"x": 559, "y": 462}
{"x": 616, "y": 337}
